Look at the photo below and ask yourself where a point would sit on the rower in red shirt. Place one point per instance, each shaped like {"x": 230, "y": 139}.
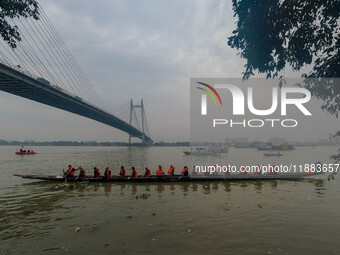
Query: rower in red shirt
{"x": 107, "y": 173}
{"x": 134, "y": 172}
{"x": 147, "y": 172}
{"x": 96, "y": 172}
{"x": 185, "y": 171}
{"x": 70, "y": 173}
{"x": 122, "y": 172}
{"x": 160, "y": 171}
{"x": 171, "y": 171}
{"x": 81, "y": 172}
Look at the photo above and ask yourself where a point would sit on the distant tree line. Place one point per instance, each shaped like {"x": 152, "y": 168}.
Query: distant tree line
{"x": 84, "y": 143}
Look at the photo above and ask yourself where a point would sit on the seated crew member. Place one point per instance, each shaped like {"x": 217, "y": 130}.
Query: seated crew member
{"x": 107, "y": 173}
{"x": 28, "y": 151}
{"x": 258, "y": 170}
{"x": 318, "y": 167}
{"x": 122, "y": 172}
{"x": 71, "y": 171}
{"x": 243, "y": 170}
{"x": 272, "y": 170}
{"x": 185, "y": 171}
{"x": 171, "y": 171}
{"x": 81, "y": 172}
{"x": 147, "y": 172}
{"x": 160, "y": 171}
{"x": 134, "y": 172}
{"x": 96, "y": 172}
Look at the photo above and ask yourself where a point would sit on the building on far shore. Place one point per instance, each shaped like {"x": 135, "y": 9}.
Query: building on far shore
{"x": 239, "y": 140}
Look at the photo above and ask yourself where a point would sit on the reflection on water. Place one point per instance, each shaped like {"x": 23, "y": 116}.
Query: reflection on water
{"x": 238, "y": 217}
{"x": 41, "y": 213}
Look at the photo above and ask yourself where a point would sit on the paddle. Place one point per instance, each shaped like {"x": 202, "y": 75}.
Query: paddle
{"x": 64, "y": 174}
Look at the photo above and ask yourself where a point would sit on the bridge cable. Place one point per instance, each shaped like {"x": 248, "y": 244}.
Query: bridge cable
{"x": 35, "y": 56}
{"x": 62, "y": 61}
{"x": 65, "y": 60}
{"x": 53, "y": 60}
{"x": 9, "y": 62}
{"x": 17, "y": 59}
{"x": 21, "y": 48}
{"x": 60, "y": 82}
{"x": 83, "y": 76}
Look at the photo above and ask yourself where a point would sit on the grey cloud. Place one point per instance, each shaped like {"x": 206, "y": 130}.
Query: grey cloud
{"x": 138, "y": 49}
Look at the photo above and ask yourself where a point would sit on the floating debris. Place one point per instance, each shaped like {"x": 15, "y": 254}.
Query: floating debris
{"x": 143, "y": 196}
{"x": 77, "y": 229}
{"x": 69, "y": 186}
{"x": 27, "y": 212}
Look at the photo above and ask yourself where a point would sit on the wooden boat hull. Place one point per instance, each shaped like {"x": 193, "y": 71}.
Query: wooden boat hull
{"x": 178, "y": 178}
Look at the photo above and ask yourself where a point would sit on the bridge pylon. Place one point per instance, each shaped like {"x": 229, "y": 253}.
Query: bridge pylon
{"x": 144, "y": 126}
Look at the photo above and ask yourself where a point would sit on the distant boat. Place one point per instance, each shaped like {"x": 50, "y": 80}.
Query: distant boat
{"x": 264, "y": 148}
{"x": 220, "y": 148}
{"x": 25, "y": 153}
{"x": 201, "y": 151}
{"x": 272, "y": 154}
{"x": 22, "y": 151}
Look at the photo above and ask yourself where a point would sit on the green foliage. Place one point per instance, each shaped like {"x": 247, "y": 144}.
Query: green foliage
{"x": 328, "y": 90}
{"x": 273, "y": 33}
{"x": 10, "y": 9}
{"x": 336, "y": 158}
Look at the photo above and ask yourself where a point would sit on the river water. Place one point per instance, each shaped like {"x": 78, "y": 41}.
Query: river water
{"x": 258, "y": 217}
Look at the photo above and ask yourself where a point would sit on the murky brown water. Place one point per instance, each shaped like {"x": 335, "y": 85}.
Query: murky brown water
{"x": 268, "y": 217}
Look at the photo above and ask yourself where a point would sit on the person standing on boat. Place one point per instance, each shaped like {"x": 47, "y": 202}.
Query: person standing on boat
{"x": 134, "y": 172}
{"x": 71, "y": 171}
{"x": 147, "y": 172}
{"x": 81, "y": 172}
{"x": 96, "y": 172}
{"x": 160, "y": 171}
{"x": 122, "y": 172}
{"x": 107, "y": 173}
{"x": 185, "y": 171}
{"x": 171, "y": 171}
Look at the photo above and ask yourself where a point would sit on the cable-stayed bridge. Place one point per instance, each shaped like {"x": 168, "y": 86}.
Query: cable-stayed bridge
{"x": 41, "y": 68}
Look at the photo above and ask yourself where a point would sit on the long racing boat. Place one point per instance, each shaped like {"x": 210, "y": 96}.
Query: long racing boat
{"x": 179, "y": 178}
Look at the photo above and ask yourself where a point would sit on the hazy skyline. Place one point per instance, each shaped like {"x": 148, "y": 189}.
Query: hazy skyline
{"x": 132, "y": 49}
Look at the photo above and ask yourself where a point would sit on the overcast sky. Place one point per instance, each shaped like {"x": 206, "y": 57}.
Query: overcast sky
{"x": 131, "y": 49}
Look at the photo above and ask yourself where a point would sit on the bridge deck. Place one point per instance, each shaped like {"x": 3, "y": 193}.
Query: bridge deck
{"x": 17, "y": 83}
